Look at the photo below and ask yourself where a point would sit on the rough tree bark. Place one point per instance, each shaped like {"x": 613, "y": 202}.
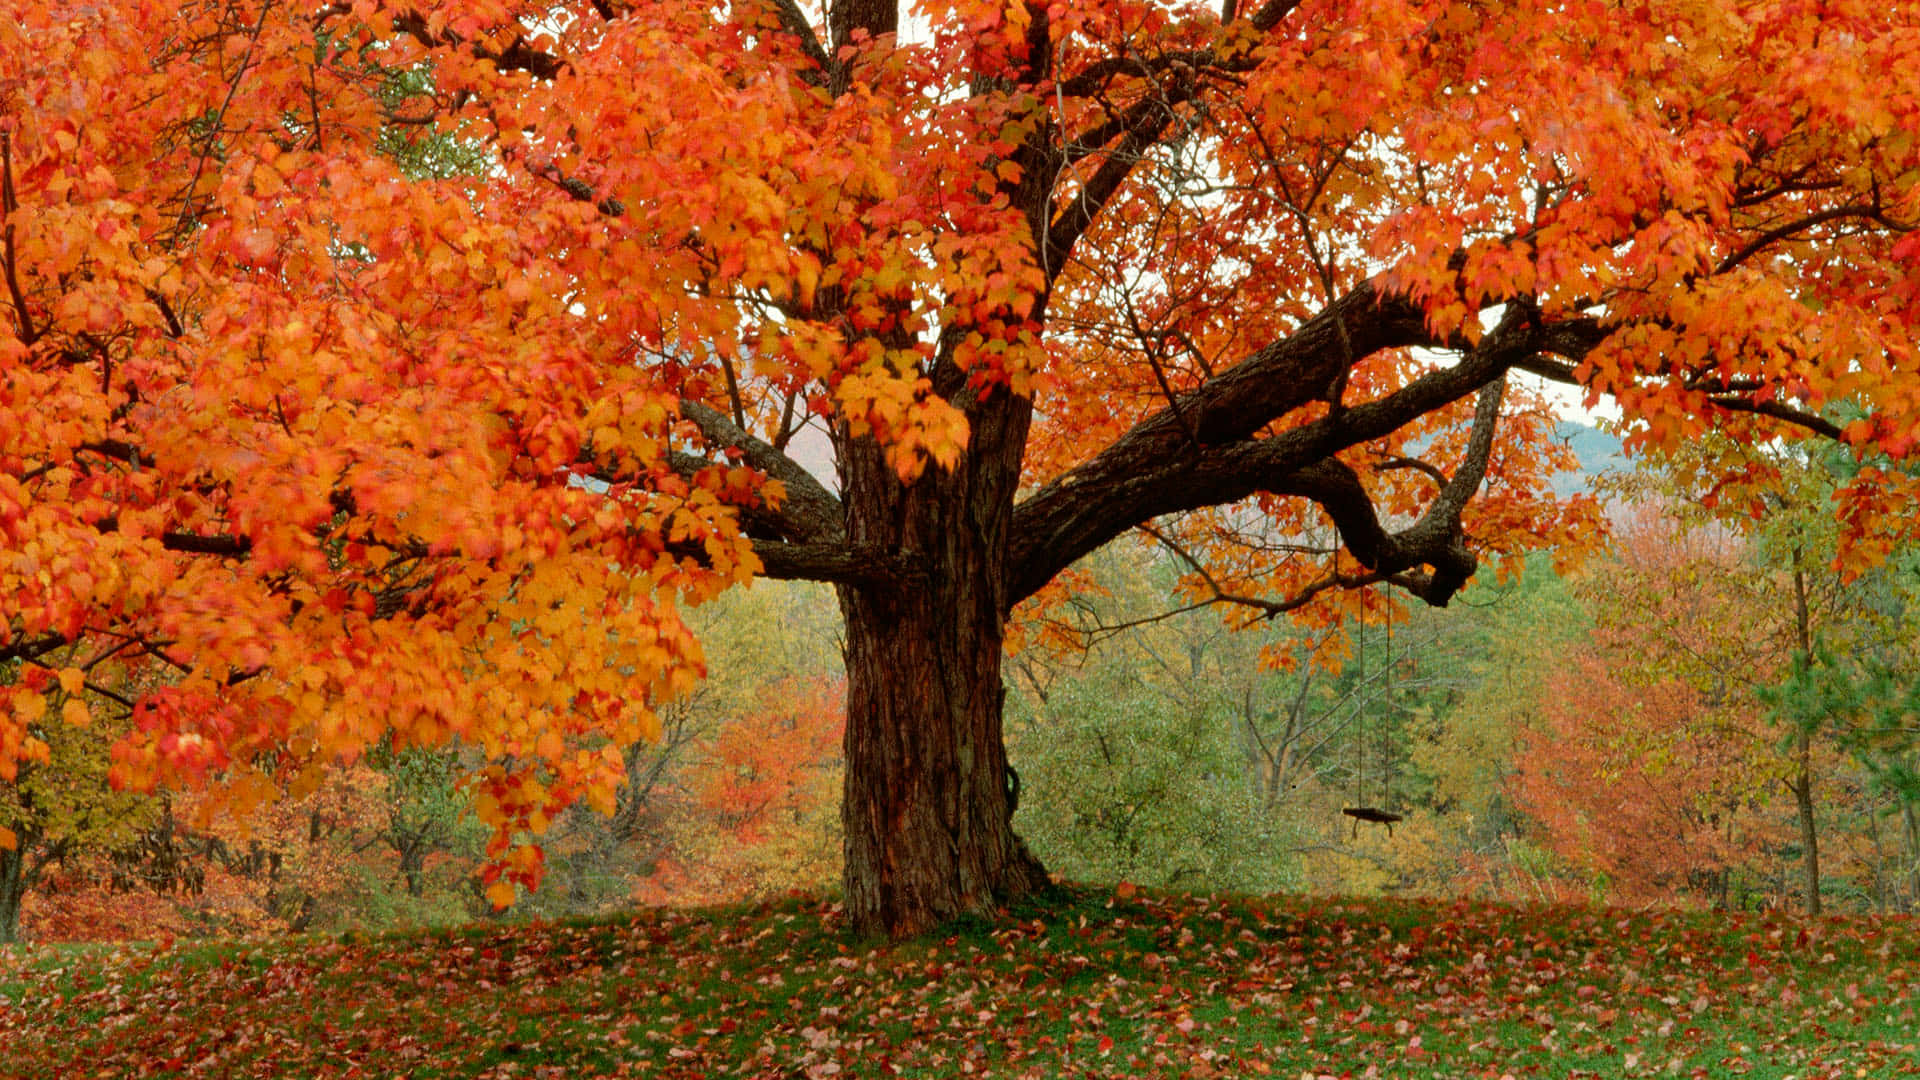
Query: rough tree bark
{"x": 928, "y": 826}
{"x": 929, "y": 831}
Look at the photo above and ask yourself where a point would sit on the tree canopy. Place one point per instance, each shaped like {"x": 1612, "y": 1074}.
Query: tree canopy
{"x": 362, "y": 451}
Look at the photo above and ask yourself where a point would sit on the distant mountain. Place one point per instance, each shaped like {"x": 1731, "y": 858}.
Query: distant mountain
{"x": 1599, "y": 454}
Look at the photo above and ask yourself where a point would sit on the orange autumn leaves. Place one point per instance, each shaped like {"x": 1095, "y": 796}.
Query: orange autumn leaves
{"x": 303, "y": 430}
{"x": 354, "y": 443}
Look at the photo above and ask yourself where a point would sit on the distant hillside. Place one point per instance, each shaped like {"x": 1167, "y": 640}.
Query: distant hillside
{"x": 1599, "y": 454}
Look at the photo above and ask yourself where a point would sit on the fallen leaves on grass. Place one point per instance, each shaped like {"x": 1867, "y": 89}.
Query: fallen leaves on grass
{"x": 1100, "y": 985}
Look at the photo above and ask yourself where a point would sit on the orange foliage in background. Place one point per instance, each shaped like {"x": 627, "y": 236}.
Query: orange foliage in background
{"x": 1644, "y": 787}
{"x": 1651, "y": 765}
{"x": 203, "y": 869}
{"x": 759, "y": 806}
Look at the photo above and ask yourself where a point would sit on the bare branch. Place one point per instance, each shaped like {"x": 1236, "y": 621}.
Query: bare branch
{"x": 210, "y": 140}
{"x": 1073, "y": 220}
{"x": 1819, "y": 425}
{"x": 1432, "y": 470}
{"x": 1773, "y": 236}
{"x": 1272, "y": 608}
{"x": 1091, "y": 635}
{"x": 1560, "y": 371}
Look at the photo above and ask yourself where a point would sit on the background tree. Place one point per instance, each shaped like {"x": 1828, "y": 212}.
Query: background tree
{"x": 1118, "y": 784}
{"x": 1154, "y": 738}
{"x": 423, "y": 811}
{"x": 731, "y": 801}
{"x": 1806, "y": 561}
{"x": 446, "y": 449}
{"x": 1516, "y": 637}
{"x": 1655, "y": 750}
{"x": 1662, "y": 701}
{"x": 59, "y": 808}
{"x": 1127, "y": 723}
{"x": 759, "y": 809}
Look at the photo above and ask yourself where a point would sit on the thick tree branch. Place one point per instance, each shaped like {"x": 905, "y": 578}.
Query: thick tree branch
{"x": 847, "y": 24}
{"x": 9, "y": 258}
{"x": 1436, "y": 539}
{"x": 759, "y": 520}
{"x": 517, "y": 56}
{"x": 1153, "y": 469}
{"x": 578, "y": 190}
{"x": 202, "y": 544}
{"x": 1096, "y": 76}
{"x": 1271, "y": 13}
{"x": 836, "y": 562}
{"x": 810, "y": 512}
{"x": 1456, "y": 493}
{"x": 874, "y": 17}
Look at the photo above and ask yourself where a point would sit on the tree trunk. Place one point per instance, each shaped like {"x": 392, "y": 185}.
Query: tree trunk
{"x": 1803, "y": 749}
{"x": 20, "y": 873}
{"x": 13, "y": 889}
{"x": 928, "y": 821}
{"x": 1809, "y": 833}
{"x": 1910, "y": 850}
{"x": 927, "y": 807}
{"x": 413, "y": 863}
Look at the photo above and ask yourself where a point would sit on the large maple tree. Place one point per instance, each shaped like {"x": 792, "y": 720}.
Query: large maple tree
{"x": 362, "y": 451}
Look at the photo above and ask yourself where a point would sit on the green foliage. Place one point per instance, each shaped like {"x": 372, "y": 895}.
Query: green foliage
{"x": 373, "y": 899}
{"x": 426, "y": 812}
{"x": 67, "y": 802}
{"x": 1865, "y": 702}
{"x": 764, "y": 634}
{"x": 1507, "y": 636}
{"x": 1119, "y": 784}
{"x": 415, "y": 140}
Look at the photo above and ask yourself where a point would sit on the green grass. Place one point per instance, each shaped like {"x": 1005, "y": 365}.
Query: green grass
{"x": 1094, "y": 985}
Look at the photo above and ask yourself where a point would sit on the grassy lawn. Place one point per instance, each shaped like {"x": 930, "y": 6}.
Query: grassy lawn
{"x": 1093, "y": 985}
